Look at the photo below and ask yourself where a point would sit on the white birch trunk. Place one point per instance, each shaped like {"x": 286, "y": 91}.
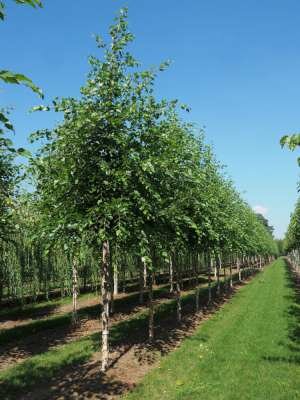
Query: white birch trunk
{"x": 209, "y": 277}
{"x": 111, "y": 288}
{"x": 116, "y": 280}
{"x": 178, "y": 301}
{"x": 197, "y": 282}
{"x": 145, "y": 275}
{"x": 74, "y": 292}
{"x": 215, "y": 271}
{"x": 151, "y": 309}
{"x": 171, "y": 274}
{"x": 230, "y": 275}
{"x": 105, "y": 305}
{"x": 178, "y": 295}
{"x": 238, "y": 266}
{"x": 218, "y": 276}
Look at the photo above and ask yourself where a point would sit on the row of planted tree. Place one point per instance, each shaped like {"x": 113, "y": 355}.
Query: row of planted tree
{"x": 292, "y": 238}
{"x": 123, "y": 190}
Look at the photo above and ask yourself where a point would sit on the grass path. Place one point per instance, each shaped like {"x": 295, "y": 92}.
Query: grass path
{"x": 250, "y": 349}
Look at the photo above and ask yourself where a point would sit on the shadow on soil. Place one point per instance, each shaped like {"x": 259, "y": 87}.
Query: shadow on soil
{"x": 39, "y": 336}
{"x": 78, "y": 376}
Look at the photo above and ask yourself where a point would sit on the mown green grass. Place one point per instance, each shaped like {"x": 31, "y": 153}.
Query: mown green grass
{"x": 250, "y": 349}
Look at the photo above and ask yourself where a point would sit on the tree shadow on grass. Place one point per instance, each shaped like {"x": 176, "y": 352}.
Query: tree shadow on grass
{"x": 293, "y": 315}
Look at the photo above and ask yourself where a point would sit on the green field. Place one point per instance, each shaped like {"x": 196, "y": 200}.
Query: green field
{"x": 248, "y": 350}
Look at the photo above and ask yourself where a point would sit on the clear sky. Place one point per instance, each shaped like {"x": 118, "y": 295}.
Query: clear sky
{"x": 236, "y": 63}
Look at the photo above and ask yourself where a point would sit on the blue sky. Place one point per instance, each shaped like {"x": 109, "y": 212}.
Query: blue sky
{"x": 236, "y": 63}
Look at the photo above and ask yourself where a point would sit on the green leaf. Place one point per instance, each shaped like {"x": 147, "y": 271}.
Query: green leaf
{"x": 2, "y": 15}
{"x": 17, "y": 79}
{"x": 39, "y": 108}
{"x": 23, "y": 152}
{"x": 32, "y": 3}
{"x": 6, "y": 122}
{"x": 6, "y": 142}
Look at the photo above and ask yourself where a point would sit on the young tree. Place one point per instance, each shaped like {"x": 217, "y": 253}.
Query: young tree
{"x": 85, "y": 171}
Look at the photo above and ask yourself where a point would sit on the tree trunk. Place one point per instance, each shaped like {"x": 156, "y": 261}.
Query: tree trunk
{"x": 197, "y": 264}
{"x": 105, "y": 304}
{"x": 111, "y": 294}
{"x": 195, "y": 268}
{"x": 151, "y": 309}
{"x": 74, "y": 292}
{"x": 178, "y": 301}
{"x": 116, "y": 279}
{"x": 154, "y": 279}
{"x": 218, "y": 275}
{"x": 224, "y": 272}
{"x": 215, "y": 271}
{"x": 145, "y": 275}
{"x": 209, "y": 278}
{"x": 178, "y": 294}
{"x": 111, "y": 284}
{"x": 171, "y": 274}
{"x": 238, "y": 266}
{"x": 141, "y": 283}
{"x": 230, "y": 275}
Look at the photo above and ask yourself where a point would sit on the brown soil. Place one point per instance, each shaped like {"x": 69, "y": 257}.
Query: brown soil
{"x": 17, "y": 351}
{"x": 46, "y": 312}
{"x": 130, "y": 360}
{"x": 47, "y": 339}
{"x": 53, "y": 310}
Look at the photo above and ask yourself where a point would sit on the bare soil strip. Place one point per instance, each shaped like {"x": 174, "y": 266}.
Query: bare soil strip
{"x": 40, "y": 342}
